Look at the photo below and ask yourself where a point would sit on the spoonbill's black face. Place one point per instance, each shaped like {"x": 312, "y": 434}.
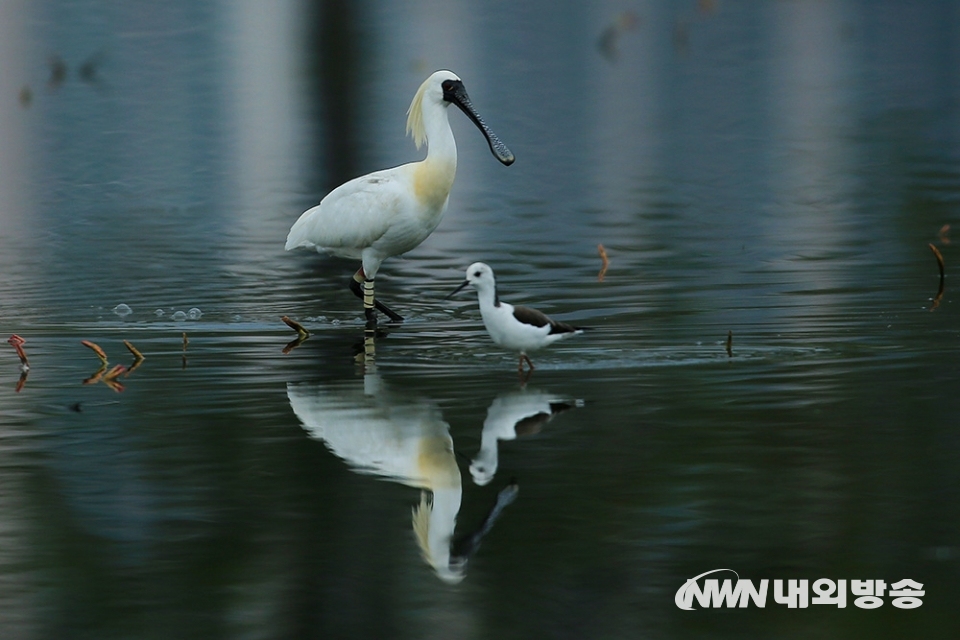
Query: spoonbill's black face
{"x": 455, "y": 93}
{"x": 452, "y": 90}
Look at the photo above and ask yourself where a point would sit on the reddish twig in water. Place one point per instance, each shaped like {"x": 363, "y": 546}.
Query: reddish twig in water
{"x": 110, "y": 378}
{"x": 939, "y": 256}
{"x": 17, "y": 343}
{"x": 137, "y": 357}
{"x": 606, "y": 262}
{"x": 96, "y": 349}
{"x": 302, "y": 334}
{"x": 136, "y": 354}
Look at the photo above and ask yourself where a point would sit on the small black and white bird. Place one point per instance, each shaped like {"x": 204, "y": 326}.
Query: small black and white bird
{"x": 516, "y": 328}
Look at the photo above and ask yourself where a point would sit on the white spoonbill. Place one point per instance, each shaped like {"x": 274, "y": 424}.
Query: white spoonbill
{"x": 395, "y": 436}
{"x": 516, "y": 328}
{"x": 389, "y": 212}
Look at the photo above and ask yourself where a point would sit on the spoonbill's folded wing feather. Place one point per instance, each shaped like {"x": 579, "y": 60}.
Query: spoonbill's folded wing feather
{"x": 354, "y": 215}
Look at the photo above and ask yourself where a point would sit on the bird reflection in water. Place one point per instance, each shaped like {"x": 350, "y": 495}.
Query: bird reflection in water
{"x": 380, "y": 432}
{"x": 513, "y": 415}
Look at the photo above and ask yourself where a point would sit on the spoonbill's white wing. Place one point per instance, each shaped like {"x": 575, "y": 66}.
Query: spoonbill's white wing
{"x": 354, "y": 215}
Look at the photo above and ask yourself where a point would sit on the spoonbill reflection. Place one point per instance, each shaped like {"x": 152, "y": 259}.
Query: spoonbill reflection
{"x": 390, "y": 212}
{"x": 510, "y": 416}
{"x": 378, "y": 432}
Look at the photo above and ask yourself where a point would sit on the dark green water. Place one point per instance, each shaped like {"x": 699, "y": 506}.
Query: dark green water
{"x": 775, "y": 172}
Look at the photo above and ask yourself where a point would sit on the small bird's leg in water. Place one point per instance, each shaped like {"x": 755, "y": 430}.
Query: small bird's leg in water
{"x": 523, "y": 357}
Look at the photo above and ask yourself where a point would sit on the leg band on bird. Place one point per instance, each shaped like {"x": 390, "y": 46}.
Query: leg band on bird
{"x": 368, "y": 301}
{"x": 358, "y": 284}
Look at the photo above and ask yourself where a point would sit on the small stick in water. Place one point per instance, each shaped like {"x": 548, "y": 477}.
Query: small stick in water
{"x": 114, "y": 372}
{"x": 302, "y": 334}
{"x": 136, "y": 354}
{"x": 606, "y": 262}
{"x": 110, "y": 378}
{"x": 185, "y": 341}
{"x": 730, "y": 344}
{"x": 296, "y": 326}
{"x": 17, "y": 343}
{"x": 137, "y": 357}
{"x": 97, "y": 375}
{"x": 96, "y": 349}
{"x": 939, "y": 256}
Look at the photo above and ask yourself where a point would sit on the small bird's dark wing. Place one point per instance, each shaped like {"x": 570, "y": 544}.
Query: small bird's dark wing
{"x": 526, "y": 315}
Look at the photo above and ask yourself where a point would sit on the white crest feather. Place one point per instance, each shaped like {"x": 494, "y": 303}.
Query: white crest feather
{"x": 421, "y": 526}
{"x": 415, "y": 126}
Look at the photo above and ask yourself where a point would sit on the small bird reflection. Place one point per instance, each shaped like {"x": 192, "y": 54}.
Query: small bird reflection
{"x": 378, "y": 431}
{"x": 513, "y": 415}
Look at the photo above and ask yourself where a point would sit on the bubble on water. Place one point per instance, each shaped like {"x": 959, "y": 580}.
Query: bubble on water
{"x": 122, "y": 310}
{"x": 179, "y": 316}
{"x": 158, "y": 312}
{"x": 194, "y": 313}
{"x": 237, "y": 318}
{"x": 335, "y": 321}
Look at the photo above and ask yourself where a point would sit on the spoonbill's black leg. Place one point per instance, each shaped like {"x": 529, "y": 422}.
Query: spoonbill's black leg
{"x": 363, "y": 289}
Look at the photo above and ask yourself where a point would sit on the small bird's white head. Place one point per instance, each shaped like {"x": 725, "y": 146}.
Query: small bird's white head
{"x": 480, "y": 275}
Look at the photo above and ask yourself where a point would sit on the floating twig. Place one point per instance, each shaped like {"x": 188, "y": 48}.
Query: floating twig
{"x": 17, "y": 343}
{"x": 114, "y": 372}
{"x": 944, "y": 234}
{"x": 296, "y": 326}
{"x": 96, "y": 349}
{"x": 137, "y": 357}
{"x": 302, "y": 334}
{"x": 606, "y": 262}
{"x": 22, "y": 381}
{"x": 96, "y": 375}
{"x": 939, "y": 296}
{"x": 185, "y": 341}
{"x": 136, "y": 354}
{"x": 730, "y": 344}
{"x": 110, "y": 378}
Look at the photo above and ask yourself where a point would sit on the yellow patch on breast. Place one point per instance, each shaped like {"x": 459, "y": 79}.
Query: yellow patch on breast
{"x": 431, "y": 183}
{"x": 437, "y": 463}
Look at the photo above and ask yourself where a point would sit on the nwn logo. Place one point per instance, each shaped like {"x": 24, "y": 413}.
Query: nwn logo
{"x": 717, "y": 594}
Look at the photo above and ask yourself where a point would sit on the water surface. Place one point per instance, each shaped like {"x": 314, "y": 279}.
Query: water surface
{"x": 770, "y": 173}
